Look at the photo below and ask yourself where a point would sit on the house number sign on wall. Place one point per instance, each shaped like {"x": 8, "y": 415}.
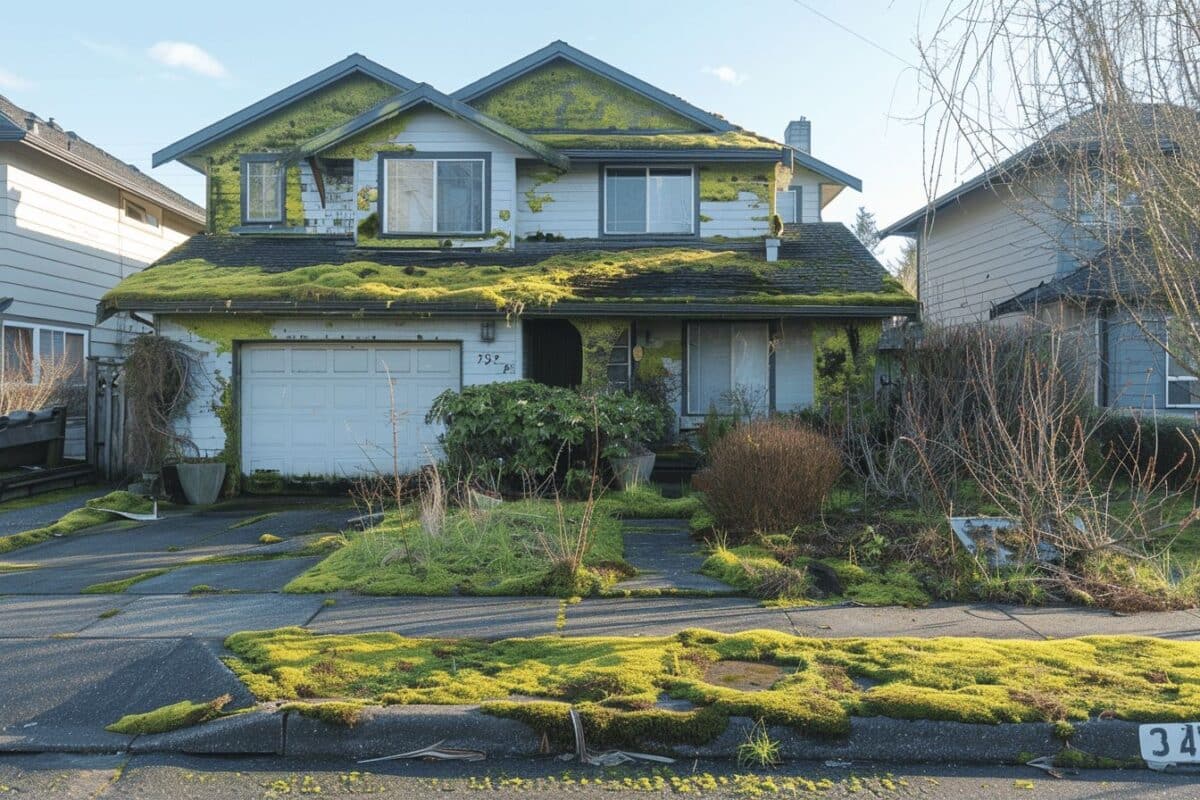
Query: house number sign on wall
{"x": 494, "y": 360}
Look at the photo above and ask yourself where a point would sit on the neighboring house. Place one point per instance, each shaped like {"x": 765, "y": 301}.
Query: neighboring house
{"x": 74, "y": 222}
{"x": 1017, "y": 242}
{"x": 373, "y": 242}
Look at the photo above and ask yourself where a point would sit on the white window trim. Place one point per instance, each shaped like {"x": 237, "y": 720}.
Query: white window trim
{"x": 36, "y": 343}
{"x": 1174, "y": 378}
{"x": 280, "y": 210}
{"x": 150, "y": 208}
{"x": 691, "y": 219}
{"x": 435, "y": 232}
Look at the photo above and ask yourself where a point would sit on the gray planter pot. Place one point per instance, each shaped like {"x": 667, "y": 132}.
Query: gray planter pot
{"x": 633, "y": 470}
{"x": 201, "y": 482}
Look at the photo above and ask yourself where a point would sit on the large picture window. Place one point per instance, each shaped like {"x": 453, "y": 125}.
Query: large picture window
{"x": 727, "y": 368}
{"x": 434, "y": 195}
{"x": 262, "y": 190}
{"x": 649, "y": 200}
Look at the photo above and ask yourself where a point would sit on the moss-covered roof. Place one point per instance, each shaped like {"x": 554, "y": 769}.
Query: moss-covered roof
{"x": 823, "y": 267}
{"x": 731, "y": 140}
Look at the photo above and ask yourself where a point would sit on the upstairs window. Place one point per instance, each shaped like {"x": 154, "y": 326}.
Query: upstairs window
{"x": 443, "y": 195}
{"x": 649, "y": 200}
{"x": 142, "y": 213}
{"x": 262, "y": 190}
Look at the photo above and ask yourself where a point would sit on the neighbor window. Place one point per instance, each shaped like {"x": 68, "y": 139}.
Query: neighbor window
{"x": 727, "y": 367}
{"x": 649, "y": 200}
{"x": 32, "y": 353}
{"x": 1183, "y": 388}
{"x": 263, "y": 190}
{"x": 140, "y": 212}
{"x": 434, "y": 195}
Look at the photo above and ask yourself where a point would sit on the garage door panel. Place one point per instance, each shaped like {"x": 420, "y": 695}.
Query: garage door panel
{"x": 326, "y": 409}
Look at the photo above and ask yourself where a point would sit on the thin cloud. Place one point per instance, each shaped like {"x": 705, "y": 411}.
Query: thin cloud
{"x": 185, "y": 55}
{"x": 726, "y": 74}
{"x": 109, "y": 50}
{"x": 12, "y": 81}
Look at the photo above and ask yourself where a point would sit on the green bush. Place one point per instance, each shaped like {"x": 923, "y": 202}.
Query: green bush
{"x": 521, "y": 433}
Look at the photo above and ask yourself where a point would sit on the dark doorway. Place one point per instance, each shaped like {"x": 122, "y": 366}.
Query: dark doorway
{"x": 553, "y": 352}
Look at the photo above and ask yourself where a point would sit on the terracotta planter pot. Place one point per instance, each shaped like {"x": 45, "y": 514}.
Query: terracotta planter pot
{"x": 201, "y": 482}
{"x": 633, "y": 470}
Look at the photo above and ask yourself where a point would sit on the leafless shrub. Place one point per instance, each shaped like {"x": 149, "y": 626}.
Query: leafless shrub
{"x": 768, "y": 476}
{"x": 30, "y": 386}
{"x": 161, "y": 380}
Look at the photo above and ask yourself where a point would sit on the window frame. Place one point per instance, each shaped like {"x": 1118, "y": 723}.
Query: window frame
{"x": 1174, "y": 378}
{"x": 695, "y": 218}
{"x": 148, "y": 209}
{"x": 35, "y": 343}
{"x": 435, "y": 156}
{"x": 281, "y": 189}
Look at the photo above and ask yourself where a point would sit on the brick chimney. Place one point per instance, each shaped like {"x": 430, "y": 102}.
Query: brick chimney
{"x": 799, "y": 135}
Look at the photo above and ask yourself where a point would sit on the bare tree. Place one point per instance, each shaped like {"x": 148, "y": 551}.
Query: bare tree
{"x": 1086, "y": 113}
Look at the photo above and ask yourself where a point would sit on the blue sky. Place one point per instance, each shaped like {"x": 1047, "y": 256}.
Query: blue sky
{"x": 135, "y": 80}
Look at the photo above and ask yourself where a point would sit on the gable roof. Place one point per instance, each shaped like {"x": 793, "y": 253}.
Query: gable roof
{"x": 1082, "y": 130}
{"x": 824, "y": 169}
{"x": 424, "y": 94}
{"x": 350, "y": 65}
{"x": 561, "y": 50}
{"x": 19, "y": 125}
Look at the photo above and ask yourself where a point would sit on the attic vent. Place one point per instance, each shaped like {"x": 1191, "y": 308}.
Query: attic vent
{"x": 31, "y": 122}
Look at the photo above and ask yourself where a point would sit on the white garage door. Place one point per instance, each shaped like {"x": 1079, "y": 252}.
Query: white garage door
{"x": 321, "y": 409}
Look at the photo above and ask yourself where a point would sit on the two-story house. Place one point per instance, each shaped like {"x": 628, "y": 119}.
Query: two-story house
{"x": 74, "y": 222}
{"x": 1021, "y": 240}
{"x": 373, "y": 241}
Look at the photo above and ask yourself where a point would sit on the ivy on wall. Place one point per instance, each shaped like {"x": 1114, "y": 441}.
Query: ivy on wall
{"x": 598, "y": 337}
{"x": 844, "y": 359}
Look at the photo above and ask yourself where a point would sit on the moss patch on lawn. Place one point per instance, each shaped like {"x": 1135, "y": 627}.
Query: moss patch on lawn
{"x": 499, "y": 551}
{"x": 755, "y": 570}
{"x": 647, "y": 502}
{"x": 822, "y": 682}
{"x": 81, "y": 518}
{"x": 558, "y": 278}
{"x": 168, "y": 718}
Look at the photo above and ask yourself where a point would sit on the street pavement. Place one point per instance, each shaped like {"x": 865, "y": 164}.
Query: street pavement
{"x": 75, "y": 777}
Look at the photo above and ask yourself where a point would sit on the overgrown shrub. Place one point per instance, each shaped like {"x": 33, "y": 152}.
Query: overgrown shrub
{"x": 768, "y": 476}
{"x": 523, "y": 436}
{"x": 1166, "y": 447}
{"x": 162, "y": 377}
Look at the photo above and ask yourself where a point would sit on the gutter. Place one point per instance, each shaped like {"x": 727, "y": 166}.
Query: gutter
{"x": 574, "y": 309}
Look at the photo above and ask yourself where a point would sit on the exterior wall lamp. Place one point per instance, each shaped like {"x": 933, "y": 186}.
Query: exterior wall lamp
{"x": 487, "y": 331}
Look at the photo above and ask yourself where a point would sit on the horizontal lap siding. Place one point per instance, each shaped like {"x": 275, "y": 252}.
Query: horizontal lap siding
{"x": 481, "y": 362}
{"x": 433, "y": 131}
{"x": 746, "y": 216}
{"x": 980, "y": 252}
{"x": 575, "y": 210}
{"x": 809, "y": 184}
{"x": 64, "y": 243}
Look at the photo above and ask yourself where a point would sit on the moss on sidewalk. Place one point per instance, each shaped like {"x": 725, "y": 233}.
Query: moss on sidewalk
{"x": 88, "y": 516}
{"x": 168, "y": 718}
{"x": 616, "y": 682}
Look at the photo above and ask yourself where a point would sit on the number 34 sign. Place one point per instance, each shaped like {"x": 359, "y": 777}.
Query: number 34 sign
{"x": 1170, "y": 743}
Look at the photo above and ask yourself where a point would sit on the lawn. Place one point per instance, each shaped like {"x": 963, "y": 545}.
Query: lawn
{"x": 813, "y": 685}
{"x": 507, "y": 550}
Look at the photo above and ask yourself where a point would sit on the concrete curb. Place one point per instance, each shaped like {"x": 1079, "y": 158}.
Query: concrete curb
{"x": 395, "y": 729}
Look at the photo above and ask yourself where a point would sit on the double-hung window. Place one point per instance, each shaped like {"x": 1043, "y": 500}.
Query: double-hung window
{"x": 443, "y": 194}
{"x": 649, "y": 200}
{"x": 262, "y": 190}
{"x": 33, "y": 352}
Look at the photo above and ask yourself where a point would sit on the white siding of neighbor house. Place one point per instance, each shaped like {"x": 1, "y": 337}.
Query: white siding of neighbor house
{"x": 64, "y": 242}
{"x": 432, "y": 131}
{"x": 483, "y": 362}
{"x": 982, "y": 250}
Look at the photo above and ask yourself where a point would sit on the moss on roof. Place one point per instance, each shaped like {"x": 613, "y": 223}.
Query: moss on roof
{"x": 730, "y": 140}
{"x": 564, "y": 96}
{"x": 558, "y": 278}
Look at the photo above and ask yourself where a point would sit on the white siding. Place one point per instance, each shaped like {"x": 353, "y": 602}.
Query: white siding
{"x": 980, "y": 251}
{"x": 575, "y": 210}
{"x": 809, "y": 185}
{"x": 64, "y": 242}
{"x": 482, "y": 362}
{"x": 432, "y": 131}
{"x": 794, "y": 367}
{"x": 746, "y": 216}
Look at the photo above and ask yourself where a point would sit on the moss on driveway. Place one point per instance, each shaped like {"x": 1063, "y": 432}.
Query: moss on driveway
{"x": 75, "y": 521}
{"x": 616, "y": 682}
